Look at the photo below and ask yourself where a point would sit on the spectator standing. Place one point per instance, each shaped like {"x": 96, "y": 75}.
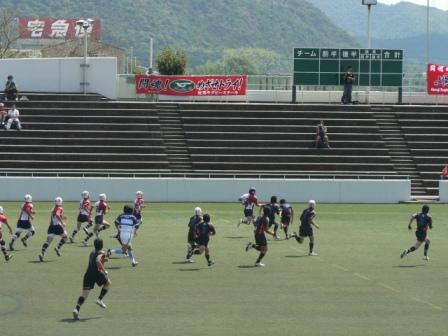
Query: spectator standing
{"x": 13, "y": 115}
{"x": 349, "y": 79}
{"x": 10, "y": 89}
{"x": 321, "y": 136}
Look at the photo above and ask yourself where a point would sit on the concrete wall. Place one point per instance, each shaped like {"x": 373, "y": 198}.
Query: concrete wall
{"x": 443, "y": 190}
{"x": 62, "y": 74}
{"x": 207, "y": 190}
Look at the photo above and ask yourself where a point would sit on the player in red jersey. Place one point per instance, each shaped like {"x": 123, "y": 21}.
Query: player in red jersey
{"x": 139, "y": 204}
{"x": 100, "y": 223}
{"x": 56, "y": 228}
{"x": 4, "y": 221}
{"x": 95, "y": 274}
{"x": 85, "y": 215}
{"x": 249, "y": 201}
{"x": 24, "y": 223}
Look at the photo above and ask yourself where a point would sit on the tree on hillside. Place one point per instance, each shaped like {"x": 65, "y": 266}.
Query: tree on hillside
{"x": 171, "y": 62}
{"x": 8, "y": 31}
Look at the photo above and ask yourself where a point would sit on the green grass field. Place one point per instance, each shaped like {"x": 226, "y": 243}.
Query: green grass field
{"x": 357, "y": 285}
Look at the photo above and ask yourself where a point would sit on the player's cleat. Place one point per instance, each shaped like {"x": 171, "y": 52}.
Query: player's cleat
{"x": 8, "y": 257}
{"x": 58, "y": 252}
{"x": 259, "y": 264}
{"x": 109, "y": 253}
{"x": 101, "y": 303}
{"x": 134, "y": 263}
{"x": 248, "y": 246}
{"x": 425, "y": 258}
{"x": 23, "y": 240}
{"x": 312, "y": 254}
{"x": 239, "y": 223}
{"x": 290, "y": 235}
{"x": 85, "y": 231}
{"x": 403, "y": 254}
{"x": 84, "y": 243}
{"x": 276, "y": 237}
{"x": 76, "y": 314}
{"x": 211, "y": 262}
{"x": 11, "y": 247}
{"x": 189, "y": 261}
{"x": 41, "y": 257}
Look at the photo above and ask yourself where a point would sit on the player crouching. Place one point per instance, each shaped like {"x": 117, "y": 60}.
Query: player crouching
{"x": 95, "y": 274}
{"x": 127, "y": 225}
{"x": 203, "y": 231}
{"x": 56, "y": 228}
{"x": 4, "y": 221}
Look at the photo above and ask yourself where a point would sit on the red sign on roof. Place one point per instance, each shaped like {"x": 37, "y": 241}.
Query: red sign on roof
{"x": 55, "y": 28}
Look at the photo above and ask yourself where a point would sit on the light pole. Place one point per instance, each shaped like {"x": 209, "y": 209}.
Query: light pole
{"x": 369, "y": 4}
{"x": 85, "y": 24}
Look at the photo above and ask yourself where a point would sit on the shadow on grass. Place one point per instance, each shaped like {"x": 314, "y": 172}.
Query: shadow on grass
{"x": 41, "y": 262}
{"x": 246, "y": 266}
{"x": 296, "y": 256}
{"x": 237, "y": 237}
{"x": 113, "y": 267}
{"x": 179, "y": 263}
{"x": 408, "y": 266}
{"x": 86, "y": 319}
{"x": 189, "y": 269}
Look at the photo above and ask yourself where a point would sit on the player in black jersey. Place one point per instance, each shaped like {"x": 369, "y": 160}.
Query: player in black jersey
{"x": 424, "y": 221}
{"x": 261, "y": 244}
{"x": 191, "y": 240}
{"x": 95, "y": 274}
{"x": 286, "y": 216}
{"x": 306, "y": 226}
{"x": 203, "y": 231}
{"x": 274, "y": 209}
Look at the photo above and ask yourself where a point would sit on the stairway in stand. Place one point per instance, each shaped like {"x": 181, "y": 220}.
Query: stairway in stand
{"x": 173, "y": 135}
{"x": 395, "y": 142}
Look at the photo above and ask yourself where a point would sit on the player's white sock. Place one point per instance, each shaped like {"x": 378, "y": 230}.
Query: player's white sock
{"x": 131, "y": 255}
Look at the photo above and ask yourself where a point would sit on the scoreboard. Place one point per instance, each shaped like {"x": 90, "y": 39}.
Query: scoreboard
{"x": 326, "y": 66}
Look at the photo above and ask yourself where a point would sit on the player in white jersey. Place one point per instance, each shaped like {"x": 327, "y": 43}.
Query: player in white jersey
{"x": 85, "y": 215}
{"x": 56, "y": 228}
{"x": 24, "y": 223}
{"x": 127, "y": 225}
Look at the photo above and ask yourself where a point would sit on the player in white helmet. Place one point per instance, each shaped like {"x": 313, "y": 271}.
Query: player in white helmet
{"x": 85, "y": 215}
{"x": 306, "y": 226}
{"x": 100, "y": 223}
{"x": 4, "y": 221}
{"x": 191, "y": 241}
{"x": 56, "y": 228}
{"x": 24, "y": 223}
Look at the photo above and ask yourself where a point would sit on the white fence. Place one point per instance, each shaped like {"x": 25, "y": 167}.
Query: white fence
{"x": 63, "y": 75}
{"x": 207, "y": 190}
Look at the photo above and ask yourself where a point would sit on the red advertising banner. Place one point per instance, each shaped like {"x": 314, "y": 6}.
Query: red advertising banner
{"x": 437, "y": 79}
{"x": 191, "y": 85}
{"x": 55, "y": 28}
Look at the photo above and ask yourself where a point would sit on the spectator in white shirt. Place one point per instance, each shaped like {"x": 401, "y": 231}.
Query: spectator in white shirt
{"x": 13, "y": 115}
{"x": 3, "y": 115}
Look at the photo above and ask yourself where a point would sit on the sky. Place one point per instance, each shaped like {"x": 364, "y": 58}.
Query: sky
{"x": 442, "y": 4}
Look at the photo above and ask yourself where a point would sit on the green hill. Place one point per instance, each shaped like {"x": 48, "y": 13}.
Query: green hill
{"x": 202, "y": 28}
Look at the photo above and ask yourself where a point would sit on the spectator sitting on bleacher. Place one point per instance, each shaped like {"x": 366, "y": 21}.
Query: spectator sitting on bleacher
{"x": 11, "y": 89}
{"x": 13, "y": 114}
{"x": 3, "y": 115}
{"x": 321, "y": 136}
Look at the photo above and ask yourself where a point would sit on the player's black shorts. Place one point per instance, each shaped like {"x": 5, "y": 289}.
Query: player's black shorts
{"x": 305, "y": 231}
{"x": 421, "y": 235}
{"x": 90, "y": 279}
{"x": 272, "y": 222}
{"x": 260, "y": 240}
{"x": 203, "y": 241}
{"x": 190, "y": 237}
{"x": 248, "y": 212}
{"x": 286, "y": 221}
{"x": 99, "y": 219}
{"x": 57, "y": 230}
{"x": 138, "y": 215}
{"x": 23, "y": 224}
{"x": 83, "y": 218}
